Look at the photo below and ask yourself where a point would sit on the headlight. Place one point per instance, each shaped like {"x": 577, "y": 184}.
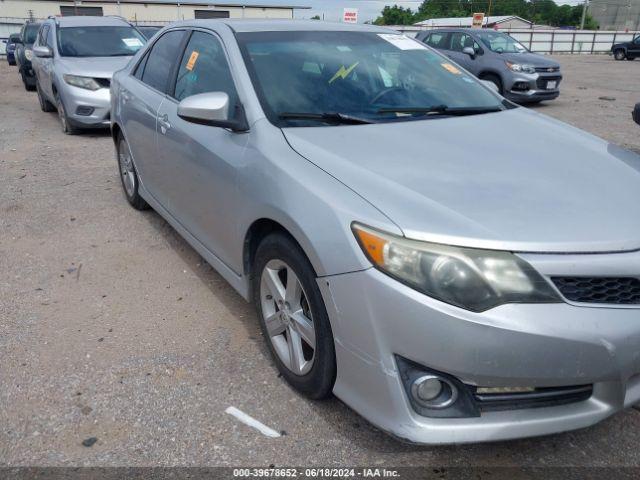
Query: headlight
{"x": 82, "y": 82}
{"x": 518, "y": 67}
{"x": 28, "y": 54}
{"x": 469, "y": 278}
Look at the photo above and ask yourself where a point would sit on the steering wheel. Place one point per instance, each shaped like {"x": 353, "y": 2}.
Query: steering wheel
{"x": 384, "y": 92}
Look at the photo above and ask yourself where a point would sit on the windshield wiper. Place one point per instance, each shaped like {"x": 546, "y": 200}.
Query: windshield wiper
{"x": 441, "y": 110}
{"x": 331, "y": 117}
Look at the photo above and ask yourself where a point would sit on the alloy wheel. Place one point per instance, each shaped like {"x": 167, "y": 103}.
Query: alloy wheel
{"x": 62, "y": 115}
{"x": 619, "y": 55}
{"x": 287, "y": 316}
{"x": 126, "y": 169}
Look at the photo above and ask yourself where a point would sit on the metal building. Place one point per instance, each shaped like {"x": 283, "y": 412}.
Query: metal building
{"x": 616, "y": 14}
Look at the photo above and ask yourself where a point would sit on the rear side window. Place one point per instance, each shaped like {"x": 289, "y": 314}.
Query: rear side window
{"x": 437, "y": 40}
{"x": 161, "y": 59}
{"x": 204, "y": 68}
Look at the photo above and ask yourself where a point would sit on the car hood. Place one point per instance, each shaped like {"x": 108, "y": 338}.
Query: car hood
{"x": 97, "y": 67}
{"x": 529, "y": 58}
{"x": 513, "y": 180}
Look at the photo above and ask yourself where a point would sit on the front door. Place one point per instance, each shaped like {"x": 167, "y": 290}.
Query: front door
{"x": 201, "y": 161}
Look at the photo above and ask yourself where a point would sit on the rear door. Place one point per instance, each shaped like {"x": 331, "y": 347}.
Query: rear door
{"x": 202, "y": 161}
{"x": 141, "y": 95}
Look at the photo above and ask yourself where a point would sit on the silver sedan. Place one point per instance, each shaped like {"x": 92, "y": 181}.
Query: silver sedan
{"x": 453, "y": 267}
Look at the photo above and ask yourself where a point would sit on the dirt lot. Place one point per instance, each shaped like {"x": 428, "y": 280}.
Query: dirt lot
{"x": 112, "y": 327}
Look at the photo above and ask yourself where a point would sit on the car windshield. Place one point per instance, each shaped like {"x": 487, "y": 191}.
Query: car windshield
{"x": 97, "y": 41}
{"x": 501, "y": 42}
{"x": 30, "y": 33}
{"x": 307, "y": 78}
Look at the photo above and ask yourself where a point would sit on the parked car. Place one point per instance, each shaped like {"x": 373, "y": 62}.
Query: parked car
{"x": 24, "y": 54}
{"x": 626, "y": 50}
{"x": 636, "y": 113}
{"x": 520, "y": 75}
{"x": 10, "y": 48}
{"x": 148, "y": 30}
{"x": 75, "y": 58}
{"x": 452, "y": 266}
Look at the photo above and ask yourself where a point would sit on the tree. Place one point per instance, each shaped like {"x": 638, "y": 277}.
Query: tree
{"x": 395, "y": 16}
{"x": 546, "y": 12}
{"x": 315, "y": 17}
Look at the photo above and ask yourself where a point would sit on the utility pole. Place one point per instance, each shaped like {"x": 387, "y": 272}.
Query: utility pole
{"x": 584, "y": 13}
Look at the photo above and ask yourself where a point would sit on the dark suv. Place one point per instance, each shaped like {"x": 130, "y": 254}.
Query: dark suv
{"x": 24, "y": 54}
{"x": 519, "y": 75}
{"x": 628, "y": 50}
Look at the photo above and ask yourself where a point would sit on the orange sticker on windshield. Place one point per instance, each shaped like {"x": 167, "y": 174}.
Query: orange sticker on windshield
{"x": 192, "y": 60}
{"x": 451, "y": 68}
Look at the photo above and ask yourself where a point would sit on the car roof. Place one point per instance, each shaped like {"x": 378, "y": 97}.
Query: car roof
{"x": 88, "y": 21}
{"x": 259, "y": 25}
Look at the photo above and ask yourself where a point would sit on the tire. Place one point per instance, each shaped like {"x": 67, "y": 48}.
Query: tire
{"x": 495, "y": 80}
{"x": 297, "y": 316}
{"x": 619, "y": 54}
{"x": 129, "y": 175}
{"x": 27, "y": 87}
{"x": 45, "y": 105}
{"x": 631, "y": 58}
{"x": 67, "y": 127}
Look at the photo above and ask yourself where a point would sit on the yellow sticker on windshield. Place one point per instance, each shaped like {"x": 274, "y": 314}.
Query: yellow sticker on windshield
{"x": 192, "y": 60}
{"x": 451, "y": 68}
{"x": 343, "y": 72}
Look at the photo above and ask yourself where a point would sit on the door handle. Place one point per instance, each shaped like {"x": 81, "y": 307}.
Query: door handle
{"x": 163, "y": 121}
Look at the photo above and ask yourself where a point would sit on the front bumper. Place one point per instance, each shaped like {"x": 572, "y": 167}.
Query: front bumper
{"x": 375, "y": 318}
{"x": 532, "y": 87}
{"x": 79, "y": 101}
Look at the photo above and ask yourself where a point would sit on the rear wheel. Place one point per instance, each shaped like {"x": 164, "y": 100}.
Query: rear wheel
{"x": 129, "y": 175}
{"x": 619, "y": 54}
{"x": 293, "y": 317}
{"x": 45, "y": 105}
{"x": 65, "y": 123}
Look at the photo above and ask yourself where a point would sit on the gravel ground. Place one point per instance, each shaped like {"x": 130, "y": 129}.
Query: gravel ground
{"x": 112, "y": 327}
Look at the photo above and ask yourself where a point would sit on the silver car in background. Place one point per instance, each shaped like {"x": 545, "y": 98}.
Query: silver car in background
{"x": 74, "y": 59}
{"x": 520, "y": 75}
{"x": 453, "y": 267}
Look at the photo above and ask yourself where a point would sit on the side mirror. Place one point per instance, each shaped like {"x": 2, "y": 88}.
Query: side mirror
{"x": 212, "y": 109}
{"x": 42, "y": 51}
{"x": 636, "y": 113}
{"x": 491, "y": 85}
{"x": 469, "y": 51}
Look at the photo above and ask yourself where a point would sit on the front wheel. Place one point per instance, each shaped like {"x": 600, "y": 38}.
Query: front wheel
{"x": 293, "y": 317}
{"x": 65, "y": 123}
{"x": 619, "y": 54}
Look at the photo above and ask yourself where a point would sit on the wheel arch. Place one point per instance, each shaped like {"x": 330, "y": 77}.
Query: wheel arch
{"x": 260, "y": 229}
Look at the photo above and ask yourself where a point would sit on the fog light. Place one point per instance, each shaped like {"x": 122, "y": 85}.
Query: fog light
{"x": 432, "y": 391}
{"x": 84, "y": 110}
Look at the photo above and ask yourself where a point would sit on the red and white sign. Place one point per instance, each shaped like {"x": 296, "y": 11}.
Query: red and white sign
{"x": 478, "y": 20}
{"x": 350, "y": 15}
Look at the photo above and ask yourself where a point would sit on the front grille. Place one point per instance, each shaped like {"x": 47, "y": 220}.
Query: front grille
{"x": 542, "y": 81}
{"x": 536, "y": 398}
{"x": 610, "y": 290}
{"x": 547, "y": 69}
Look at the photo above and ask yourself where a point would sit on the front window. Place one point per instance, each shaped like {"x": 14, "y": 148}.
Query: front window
{"x": 360, "y": 75}
{"x": 30, "y": 33}
{"x": 94, "y": 41}
{"x": 501, "y": 42}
